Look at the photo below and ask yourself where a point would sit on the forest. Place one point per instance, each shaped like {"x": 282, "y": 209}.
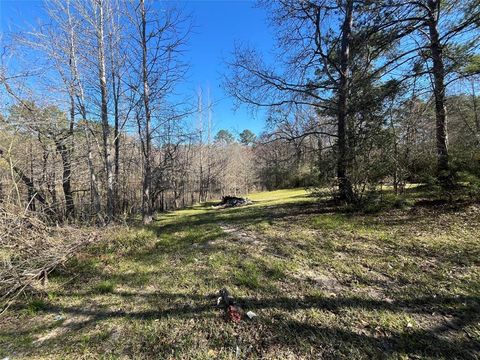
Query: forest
{"x": 358, "y": 234}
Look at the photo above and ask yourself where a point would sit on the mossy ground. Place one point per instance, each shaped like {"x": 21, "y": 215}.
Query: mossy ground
{"x": 325, "y": 283}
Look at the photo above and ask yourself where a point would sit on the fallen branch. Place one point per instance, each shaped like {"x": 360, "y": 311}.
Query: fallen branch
{"x": 30, "y": 250}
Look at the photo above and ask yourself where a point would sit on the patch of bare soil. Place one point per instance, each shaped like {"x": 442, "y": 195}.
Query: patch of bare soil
{"x": 242, "y": 236}
{"x": 323, "y": 280}
{"x": 70, "y": 324}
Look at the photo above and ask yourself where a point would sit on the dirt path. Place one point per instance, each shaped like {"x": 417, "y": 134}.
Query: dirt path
{"x": 240, "y": 234}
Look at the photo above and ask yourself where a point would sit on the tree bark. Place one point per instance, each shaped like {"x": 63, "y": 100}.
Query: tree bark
{"x": 344, "y": 184}
{"x": 116, "y": 90}
{"x": 33, "y": 193}
{"x": 146, "y": 198}
{"x": 475, "y": 110}
{"x": 107, "y": 154}
{"x": 64, "y": 153}
{"x": 94, "y": 194}
{"x": 116, "y": 144}
{"x": 438, "y": 70}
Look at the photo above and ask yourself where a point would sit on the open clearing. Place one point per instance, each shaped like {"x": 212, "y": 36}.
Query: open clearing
{"x": 324, "y": 284}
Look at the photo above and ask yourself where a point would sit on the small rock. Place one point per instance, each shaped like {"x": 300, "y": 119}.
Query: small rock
{"x": 56, "y": 318}
{"x": 115, "y": 335}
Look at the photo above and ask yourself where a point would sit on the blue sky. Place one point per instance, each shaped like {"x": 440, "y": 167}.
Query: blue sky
{"x": 218, "y": 24}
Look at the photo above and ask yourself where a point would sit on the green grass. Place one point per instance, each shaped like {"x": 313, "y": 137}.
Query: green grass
{"x": 104, "y": 287}
{"x": 400, "y": 281}
{"x": 35, "y": 306}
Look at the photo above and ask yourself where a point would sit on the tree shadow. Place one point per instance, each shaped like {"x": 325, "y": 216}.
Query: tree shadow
{"x": 283, "y": 329}
{"x": 286, "y": 331}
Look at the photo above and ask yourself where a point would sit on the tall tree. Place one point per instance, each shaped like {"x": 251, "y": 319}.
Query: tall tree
{"x": 147, "y": 140}
{"x": 99, "y": 8}
{"x": 116, "y": 55}
{"x": 329, "y": 48}
{"x": 451, "y": 35}
{"x": 58, "y": 42}
{"x": 344, "y": 185}
{"x": 156, "y": 67}
{"x": 224, "y": 137}
{"x": 247, "y": 137}
{"x": 92, "y": 29}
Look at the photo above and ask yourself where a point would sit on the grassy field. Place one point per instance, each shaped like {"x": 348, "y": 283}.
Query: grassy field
{"x": 324, "y": 283}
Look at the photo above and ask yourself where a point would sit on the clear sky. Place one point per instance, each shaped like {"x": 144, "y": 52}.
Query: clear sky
{"x": 217, "y": 25}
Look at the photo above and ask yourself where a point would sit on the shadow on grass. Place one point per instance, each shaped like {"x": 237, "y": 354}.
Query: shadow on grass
{"x": 198, "y": 233}
{"x": 291, "y": 332}
{"x": 206, "y": 226}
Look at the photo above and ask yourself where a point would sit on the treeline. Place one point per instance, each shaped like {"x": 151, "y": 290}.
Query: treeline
{"x": 301, "y": 151}
{"x": 199, "y": 167}
{"x": 185, "y": 168}
{"x": 361, "y": 94}
{"x": 93, "y": 127}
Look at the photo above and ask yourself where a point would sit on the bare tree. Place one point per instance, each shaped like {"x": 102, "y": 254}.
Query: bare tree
{"x": 156, "y": 67}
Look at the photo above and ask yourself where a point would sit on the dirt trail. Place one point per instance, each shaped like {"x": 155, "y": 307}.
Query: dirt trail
{"x": 243, "y": 236}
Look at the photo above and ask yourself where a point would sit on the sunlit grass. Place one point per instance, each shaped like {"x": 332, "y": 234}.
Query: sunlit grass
{"x": 329, "y": 284}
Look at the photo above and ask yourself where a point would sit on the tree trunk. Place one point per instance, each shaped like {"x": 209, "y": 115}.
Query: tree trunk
{"x": 146, "y": 199}
{"x": 475, "y": 111}
{"x": 438, "y": 70}
{"x": 66, "y": 154}
{"x": 30, "y": 191}
{"x": 107, "y": 155}
{"x": 116, "y": 115}
{"x": 344, "y": 184}
{"x": 116, "y": 145}
{"x": 94, "y": 195}
{"x": 33, "y": 193}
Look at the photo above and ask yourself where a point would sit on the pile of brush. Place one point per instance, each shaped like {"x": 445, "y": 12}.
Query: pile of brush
{"x": 30, "y": 249}
{"x": 233, "y": 201}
